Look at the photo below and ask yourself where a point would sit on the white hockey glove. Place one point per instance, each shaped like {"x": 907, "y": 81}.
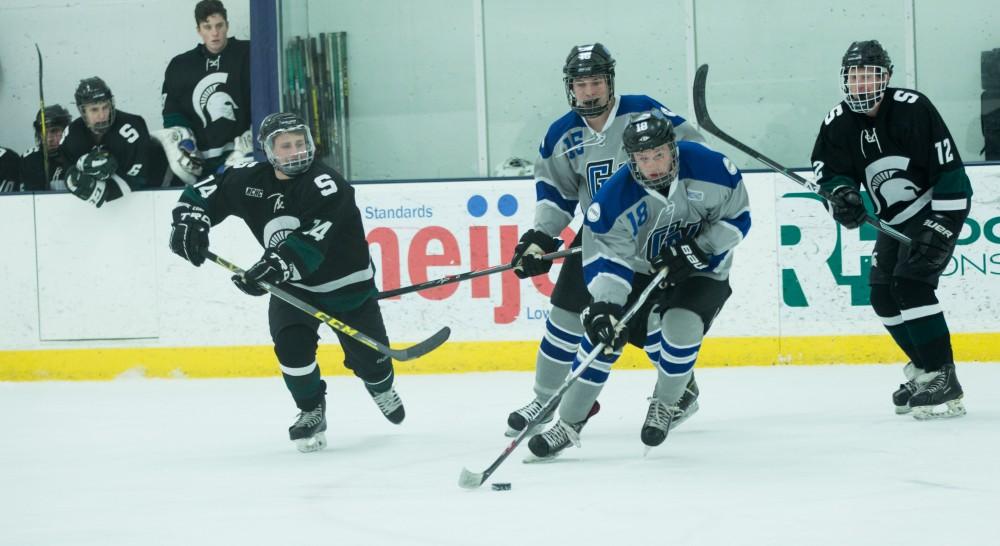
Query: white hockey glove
{"x": 243, "y": 150}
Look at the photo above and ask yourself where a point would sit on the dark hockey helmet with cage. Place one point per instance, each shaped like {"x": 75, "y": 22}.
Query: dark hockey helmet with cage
{"x": 584, "y": 61}
{"x": 646, "y": 131}
{"x": 865, "y": 59}
{"x": 286, "y": 122}
{"x": 56, "y": 116}
{"x": 94, "y": 90}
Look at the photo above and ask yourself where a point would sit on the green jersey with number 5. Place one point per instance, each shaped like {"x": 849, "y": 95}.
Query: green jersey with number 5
{"x": 904, "y": 156}
{"x": 312, "y": 221}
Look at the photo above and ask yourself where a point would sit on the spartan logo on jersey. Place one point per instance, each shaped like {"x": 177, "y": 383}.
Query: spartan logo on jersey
{"x": 208, "y": 98}
{"x": 278, "y": 229}
{"x": 868, "y": 138}
{"x": 886, "y": 188}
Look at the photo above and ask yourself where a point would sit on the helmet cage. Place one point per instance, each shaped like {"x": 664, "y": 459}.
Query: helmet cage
{"x": 296, "y": 163}
{"x": 648, "y": 131}
{"x": 101, "y": 127}
{"x": 588, "y": 61}
{"x": 874, "y": 77}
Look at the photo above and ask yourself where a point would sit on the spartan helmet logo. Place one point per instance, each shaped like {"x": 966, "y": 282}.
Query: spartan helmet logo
{"x": 208, "y": 98}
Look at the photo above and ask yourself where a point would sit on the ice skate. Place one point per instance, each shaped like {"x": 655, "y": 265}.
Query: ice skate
{"x": 519, "y": 418}
{"x": 389, "y": 404}
{"x": 660, "y": 420}
{"x": 551, "y": 443}
{"x": 688, "y": 403}
{"x": 938, "y": 396}
{"x": 308, "y": 430}
{"x": 901, "y": 398}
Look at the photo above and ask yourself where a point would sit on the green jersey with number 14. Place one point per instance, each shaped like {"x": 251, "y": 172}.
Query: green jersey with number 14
{"x": 312, "y": 221}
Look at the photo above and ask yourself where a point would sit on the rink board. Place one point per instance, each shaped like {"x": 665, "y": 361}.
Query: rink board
{"x": 97, "y": 293}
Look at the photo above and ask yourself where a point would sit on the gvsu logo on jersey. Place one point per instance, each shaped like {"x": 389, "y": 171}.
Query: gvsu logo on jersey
{"x": 480, "y": 236}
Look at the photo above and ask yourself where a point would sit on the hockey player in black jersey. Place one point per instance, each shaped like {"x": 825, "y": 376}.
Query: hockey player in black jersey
{"x": 305, "y": 216}
{"x": 105, "y": 148}
{"x": 9, "y": 170}
{"x": 894, "y": 143}
{"x": 33, "y": 178}
{"x": 206, "y": 99}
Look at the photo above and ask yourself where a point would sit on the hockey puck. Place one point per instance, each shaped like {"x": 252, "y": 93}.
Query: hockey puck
{"x": 501, "y": 486}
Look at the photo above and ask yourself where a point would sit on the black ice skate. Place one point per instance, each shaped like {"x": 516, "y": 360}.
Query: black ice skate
{"x": 901, "y": 398}
{"x": 938, "y": 396}
{"x": 661, "y": 418}
{"x": 308, "y": 430}
{"x": 549, "y": 444}
{"x": 518, "y": 419}
{"x": 389, "y": 404}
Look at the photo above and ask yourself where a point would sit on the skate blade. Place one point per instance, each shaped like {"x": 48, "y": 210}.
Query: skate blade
{"x": 309, "y": 445}
{"x": 903, "y": 410}
{"x": 535, "y": 459}
{"x": 952, "y": 409}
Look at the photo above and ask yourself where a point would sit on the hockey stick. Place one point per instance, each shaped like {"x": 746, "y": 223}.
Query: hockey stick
{"x": 472, "y": 480}
{"x": 409, "y": 353}
{"x": 705, "y": 121}
{"x": 468, "y": 275}
{"x": 44, "y": 145}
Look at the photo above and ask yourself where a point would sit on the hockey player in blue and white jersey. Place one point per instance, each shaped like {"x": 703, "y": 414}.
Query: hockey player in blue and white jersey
{"x": 679, "y": 205}
{"x": 580, "y": 151}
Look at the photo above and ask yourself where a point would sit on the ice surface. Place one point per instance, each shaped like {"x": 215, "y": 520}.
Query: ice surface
{"x": 777, "y": 455}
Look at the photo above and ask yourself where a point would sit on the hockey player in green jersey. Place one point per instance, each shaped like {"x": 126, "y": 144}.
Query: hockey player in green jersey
{"x": 304, "y": 215}
{"x": 894, "y": 143}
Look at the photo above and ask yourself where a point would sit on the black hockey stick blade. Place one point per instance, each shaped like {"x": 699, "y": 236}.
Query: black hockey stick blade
{"x": 468, "y": 275}
{"x": 705, "y": 121}
{"x": 409, "y": 353}
{"x": 420, "y": 349}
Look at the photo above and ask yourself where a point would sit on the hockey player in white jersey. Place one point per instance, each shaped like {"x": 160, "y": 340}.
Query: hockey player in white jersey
{"x": 679, "y": 205}
{"x": 580, "y": 151}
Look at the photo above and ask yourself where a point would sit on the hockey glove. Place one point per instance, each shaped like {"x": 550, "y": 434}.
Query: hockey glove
{"x": 97, "y": 164}
{"x": 189, "y": 236}
{"x": 847, "y": 207}
{"x": 533, "y": 244}
{"x": 599, "y": 320}
{"x": 86, "y": 187}
{"x": 682, "y": 258}
{"x": 272, "y": 269}
{"x": 934, "y": 240}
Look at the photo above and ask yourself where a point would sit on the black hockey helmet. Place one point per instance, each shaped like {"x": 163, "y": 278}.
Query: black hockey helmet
{"x": 55, "y": 116}
{"x": 92, "y": 90}
{"x": 646, "y": 131}
{"x": 286, "y": 122}
{"x": 585, "y": 61}
{"x": 868, "y": 62}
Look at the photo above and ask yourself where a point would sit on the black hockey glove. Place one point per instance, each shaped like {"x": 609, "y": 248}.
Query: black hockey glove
{"x": 599, "y": 320}
{"x": 682, "y": 258}
{"x": 529, "y": 249}
{"x": 847, "y": 207}
{"x": 934, "y": 240}
{"x": 272, "y": 269}
{"x": 189, "y": 236}
{"x": 98, "y": 164}
{"x": 86, "y": 187}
